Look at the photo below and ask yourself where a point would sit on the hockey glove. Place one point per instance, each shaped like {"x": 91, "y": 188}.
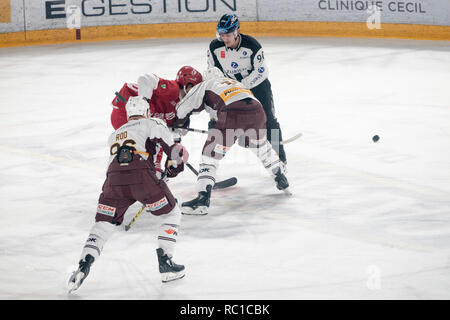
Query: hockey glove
{"x": 211, "y": 123}
{"x": 175, "y": 161}
{"x": 173, "y": 169}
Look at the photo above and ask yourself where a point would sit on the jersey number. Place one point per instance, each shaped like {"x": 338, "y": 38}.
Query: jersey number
{"x": 116, "y": 146}
{"x": 260, "y": 57}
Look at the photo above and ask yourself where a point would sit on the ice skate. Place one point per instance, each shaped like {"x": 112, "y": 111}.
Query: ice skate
{"x": 198, "y": 206}
{"x": 282, "y": 182}
{"x": 77, "y": 277}
{"x": 169, "y": 270}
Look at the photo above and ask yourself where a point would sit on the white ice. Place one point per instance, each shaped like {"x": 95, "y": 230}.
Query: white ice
{"x": 366, "y": 221}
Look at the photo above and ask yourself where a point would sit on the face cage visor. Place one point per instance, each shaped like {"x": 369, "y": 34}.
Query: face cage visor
{"x": 221, "y": 31}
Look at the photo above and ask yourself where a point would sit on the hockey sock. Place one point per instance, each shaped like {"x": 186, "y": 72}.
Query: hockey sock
{"x": 168, "y": 231}
{"x": 99, "y": 234}
{"x": 268, "y": 156}
{"x": 207, "y": 173}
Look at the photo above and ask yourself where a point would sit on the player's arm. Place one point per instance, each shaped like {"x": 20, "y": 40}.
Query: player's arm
{"x": 259, "y": 71}
{"x": 212, "y": 59}
{"x": 177, "y": 155}
{"x": 147, "y": 84}
{"x": 193, "y": 102}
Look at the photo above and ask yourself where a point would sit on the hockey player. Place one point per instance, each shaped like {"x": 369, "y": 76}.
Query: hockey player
{"x": 238, "y": 115}
{"x": 241, "y": 57}
{"x": 130, "y": 178}
{"x": 162, "y": 96}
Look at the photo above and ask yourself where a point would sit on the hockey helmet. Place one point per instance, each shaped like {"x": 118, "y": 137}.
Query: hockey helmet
{"x": 137, "y": 106}
{"x": 187, "y": 75}
{"x": 227, "y": 23}
{"x": 212, "y": 73}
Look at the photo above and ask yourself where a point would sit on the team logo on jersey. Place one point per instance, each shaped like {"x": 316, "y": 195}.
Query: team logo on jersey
{"x": 222, "y": 54}
{"x": 220, "y": 149}
{"x": 171, "y": 231}
{"x": 234, "y": 65}
{"x": 261, "y": 69}
{"x": 157, "y": 205}
{"x": 163, "y": 86}
{"x": 106, "y": 210}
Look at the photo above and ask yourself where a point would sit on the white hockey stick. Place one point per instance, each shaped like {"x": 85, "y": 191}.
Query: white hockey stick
{"x": 298, "y": 135}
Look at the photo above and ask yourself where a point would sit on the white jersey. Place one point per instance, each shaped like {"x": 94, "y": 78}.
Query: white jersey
{"x": 143, "y": 135}
{"x": 212, "y": 95}
{"x": 246, "y": 63}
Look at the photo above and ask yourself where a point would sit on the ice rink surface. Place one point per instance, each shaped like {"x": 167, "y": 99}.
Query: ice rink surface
{"x": 366, "y": 221}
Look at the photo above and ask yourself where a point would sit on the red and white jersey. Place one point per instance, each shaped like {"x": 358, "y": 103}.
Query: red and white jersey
{"x": 212, "y": 95}
{"x": 163, "y": 95}
{"x": 119, "y": 113}
{"x": 144, "y": 135}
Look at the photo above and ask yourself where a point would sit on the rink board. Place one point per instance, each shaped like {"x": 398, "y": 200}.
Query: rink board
{"x": 31, "y": 22}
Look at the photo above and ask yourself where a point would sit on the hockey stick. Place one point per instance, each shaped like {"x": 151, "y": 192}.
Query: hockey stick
{"x": 191, "y": 129}
{"x": 218, "y": 185}
{"x": 298, "y": 135}
{"x": 129, "y": 225}
{"x": 120, "y": 96}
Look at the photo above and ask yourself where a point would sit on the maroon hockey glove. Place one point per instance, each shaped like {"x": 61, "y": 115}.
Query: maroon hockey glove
{"x": 176, "y": 159}
{"x": 171, "y": 171}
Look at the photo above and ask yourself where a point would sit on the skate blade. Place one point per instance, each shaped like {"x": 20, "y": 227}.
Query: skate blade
{"x": 200, "y": 211}
{"x": 287, "y": 192}
{"x": 75, "y": 281}
{"x": 172, "y": 276}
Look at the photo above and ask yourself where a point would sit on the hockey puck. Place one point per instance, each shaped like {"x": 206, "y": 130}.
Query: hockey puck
{"x": 375, "y": 138}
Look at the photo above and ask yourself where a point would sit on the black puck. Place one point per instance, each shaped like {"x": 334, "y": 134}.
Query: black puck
{"x": 375, "y": 138}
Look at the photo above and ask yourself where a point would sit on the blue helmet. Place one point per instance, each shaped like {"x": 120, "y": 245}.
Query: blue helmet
{"x": 227, "y": 23}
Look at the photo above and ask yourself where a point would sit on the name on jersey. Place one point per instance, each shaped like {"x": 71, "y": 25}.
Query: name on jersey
{"x": 106, "y": 210}
{"x": 229, "y": 93}
{"x": 121, "y": 136}
{"x": 157, "y": 205}
{"x": 220, "y": 149}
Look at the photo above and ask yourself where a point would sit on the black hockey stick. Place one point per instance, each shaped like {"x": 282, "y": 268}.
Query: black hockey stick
{"x": 120, "y": 96}
{"x": 218, "y": 185}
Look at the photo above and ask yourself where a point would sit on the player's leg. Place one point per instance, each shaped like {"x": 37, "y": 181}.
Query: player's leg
{"x": 159, "y": 201}
{"x": 167, "y": 238}
{"x": 205, "y": 182}
{"x": 263, "y": 93}
{"x": 215, "y": 148}
{"x": 258, "y": 143}
{"x": 110, "y": 211}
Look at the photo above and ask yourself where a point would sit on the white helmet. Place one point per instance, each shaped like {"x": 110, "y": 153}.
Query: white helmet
{"x": 212, "y": 73}
{"x": 137, "y": 106}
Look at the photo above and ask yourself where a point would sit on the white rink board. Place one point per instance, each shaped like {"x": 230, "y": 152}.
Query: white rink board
{"x": 55, "y": 14}
{"x": 428, "y": 12}
{"x": 44, "y": 14}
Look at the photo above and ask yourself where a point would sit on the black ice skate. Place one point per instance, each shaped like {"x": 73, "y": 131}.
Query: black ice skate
{"x": 169, "y": 270}
{"x": 77, "y": 277}
{"x": 282, "y": 182}
{"x": 198, "y": 206}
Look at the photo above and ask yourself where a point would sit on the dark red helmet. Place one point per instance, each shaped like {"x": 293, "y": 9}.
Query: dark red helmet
{"x": 187, "y": 74}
